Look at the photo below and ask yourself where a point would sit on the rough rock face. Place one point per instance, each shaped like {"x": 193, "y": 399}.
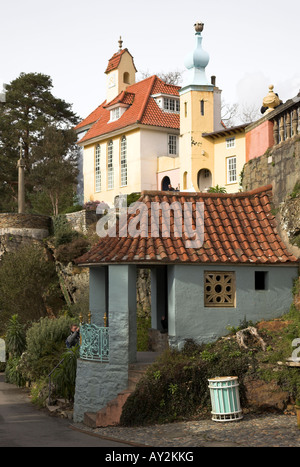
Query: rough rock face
{"x": 74, "y": 281}
{"x": 290, "y": 217}
{"x": 143, "y": 290}
{"x": 264, "y": 396}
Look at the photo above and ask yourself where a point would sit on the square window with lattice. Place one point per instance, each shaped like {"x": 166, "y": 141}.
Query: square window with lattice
{"x": 219, "y": 289}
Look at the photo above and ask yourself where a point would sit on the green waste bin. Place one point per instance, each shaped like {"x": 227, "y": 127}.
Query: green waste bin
{"x": 225, "y": 399}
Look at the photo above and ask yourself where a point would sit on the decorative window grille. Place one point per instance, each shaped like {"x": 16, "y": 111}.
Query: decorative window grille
{"x": 230, "y": 142}
{"x": 219, "y": 289}
{"x": 172, "y": 144}
{"x": 231, "y": 169}
{"x": 98, "y": 169}
{"x": 110, "y": 167}
{"x": 123, "y": 161}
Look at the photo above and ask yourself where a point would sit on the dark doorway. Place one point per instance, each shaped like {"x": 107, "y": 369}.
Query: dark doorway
{"x": 165, "y": 183}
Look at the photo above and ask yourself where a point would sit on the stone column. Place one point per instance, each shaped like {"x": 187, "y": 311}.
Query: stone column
{"x": 122, "y": 313}
{"x": 98, "y": 294}
{"x": 21, "y": 186}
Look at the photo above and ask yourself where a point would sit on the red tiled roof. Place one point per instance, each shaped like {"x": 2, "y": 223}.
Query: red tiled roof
{"x": 92, "y": 118}
{"x": 238, "y": 229}
{"x": 142, "y": 109}
{"x": 114, "y": 61}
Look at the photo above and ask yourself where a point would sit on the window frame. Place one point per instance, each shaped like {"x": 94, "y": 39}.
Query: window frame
{"x": 230, "y": 142}
{"x": 110, "y": 165}
{"x": 221, "y": 297}
{"x": 97, "y": 168}
{"x": 172, "y": 105}
{"x": 123, "y": 165}
{"x": 172, "y": 145}
{"x": 229, "y": 170}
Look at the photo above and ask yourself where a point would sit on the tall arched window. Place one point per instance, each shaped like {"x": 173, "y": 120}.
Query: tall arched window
{"x": 185, "y": 180}
{"x": 123, "y": 161}
{"x": 110, "y": 167}
{"x": 98, "y": 168}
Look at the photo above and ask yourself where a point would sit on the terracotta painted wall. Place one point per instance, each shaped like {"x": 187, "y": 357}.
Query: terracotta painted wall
{"x": 258, "y": 140}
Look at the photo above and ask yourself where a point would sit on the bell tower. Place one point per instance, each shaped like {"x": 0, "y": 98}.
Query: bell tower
{"x": 120, "y": 72}
{"x": 199, "y": 113}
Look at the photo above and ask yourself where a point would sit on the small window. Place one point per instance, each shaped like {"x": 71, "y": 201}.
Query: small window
{"x": 202, "y": 107}
{"x": 110, "y": 167}
{"x": 261, "y": 280}
{"x": 231, "y": 169}
{"x": 172, "y": 144}
{"x": 219, "y": 289}
{"x": 98, "y": 169}
{"x": 230, "y": 142}
{"x": 115, "y": 114}
{"x": 123, "y": 161}
{"x": 185, "y": 109}
{"x": 171, "y": 105}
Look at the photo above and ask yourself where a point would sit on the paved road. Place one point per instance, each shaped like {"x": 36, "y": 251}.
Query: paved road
{"x": 23, "y": 425}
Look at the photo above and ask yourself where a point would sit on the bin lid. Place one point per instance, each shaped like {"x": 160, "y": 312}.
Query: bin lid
{"x": 223, "y": 378}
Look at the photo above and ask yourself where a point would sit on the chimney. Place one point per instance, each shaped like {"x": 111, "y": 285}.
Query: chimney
{"x": 213, "y": 80}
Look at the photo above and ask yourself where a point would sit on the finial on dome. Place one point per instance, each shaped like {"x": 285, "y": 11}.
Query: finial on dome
{"x": 120, "y": 44}
{"x": 199, "y": 27}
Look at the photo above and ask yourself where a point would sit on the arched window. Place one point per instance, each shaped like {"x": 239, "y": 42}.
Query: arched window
{"x": 98, "y": 168}
{"x": 126, "y": 77}
{"x": 110, "y": 167}
{"x": 123, "y": 161}
{"x": 185, "y": 180}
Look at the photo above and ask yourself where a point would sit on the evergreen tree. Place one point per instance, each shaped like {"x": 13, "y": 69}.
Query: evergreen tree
{"x": 54, "y": 175}
{"x": 29, "y": 109}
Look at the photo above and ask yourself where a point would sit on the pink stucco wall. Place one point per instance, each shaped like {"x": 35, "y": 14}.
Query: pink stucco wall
{"x": 174, "y": 176}
{"x": 258, "y": 140}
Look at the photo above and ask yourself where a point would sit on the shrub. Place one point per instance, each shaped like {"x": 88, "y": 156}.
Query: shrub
{"x": 45, "y": 341}
{"x": 176, "y": 385}
{"x": 68, "y": 252}
{"x": 65, "y": 375}
{"x": 28, "y": 283}
{"x": 63, "y": 232}
{"x": 15, "y": 337}
{"x": 13, "y": 375}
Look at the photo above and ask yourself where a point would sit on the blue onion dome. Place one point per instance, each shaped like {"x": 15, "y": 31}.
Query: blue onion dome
{"x": 197, "y": 60}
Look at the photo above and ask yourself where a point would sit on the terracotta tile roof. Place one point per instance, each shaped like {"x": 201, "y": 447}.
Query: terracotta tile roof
{"x": 142, "y": 109}
{"x": 92, "y": 118}
{"x": 238, "y": 229}
{"x": 114, "y": 61}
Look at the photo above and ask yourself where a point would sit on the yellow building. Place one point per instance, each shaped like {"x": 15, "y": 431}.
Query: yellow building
{"x": 126, "y": 139}
{"x": 150, "y": 135}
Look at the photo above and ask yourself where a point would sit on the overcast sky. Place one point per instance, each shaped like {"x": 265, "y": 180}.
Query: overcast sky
{"x": 251, "y": 44}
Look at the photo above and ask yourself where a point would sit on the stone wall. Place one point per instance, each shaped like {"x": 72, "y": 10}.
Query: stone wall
{"x": 25, "y": 225}
{"x": 279, "y": 166}
{"x": 81, "y": 220}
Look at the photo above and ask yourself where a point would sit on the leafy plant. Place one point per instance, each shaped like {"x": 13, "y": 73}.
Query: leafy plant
{"x": 217, "y": 189}
{"x": 28, "y": 283}
{"x": 15, "y": 337}
{"x": 65, "y": 375}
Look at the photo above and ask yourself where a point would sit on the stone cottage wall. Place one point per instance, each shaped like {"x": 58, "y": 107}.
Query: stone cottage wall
{"x": 279, "y": 166}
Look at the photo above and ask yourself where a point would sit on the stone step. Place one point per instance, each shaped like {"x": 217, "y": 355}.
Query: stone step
{"x": 111, "y": 414}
